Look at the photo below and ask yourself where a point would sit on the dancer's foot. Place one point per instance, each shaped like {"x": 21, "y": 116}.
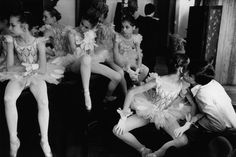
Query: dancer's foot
{"x": 14, "y": 146}
{"x": 144, "y": 151}
{"x": 109, "y": 99}
{"x": 46, "y": 148}
{"x": 158, "y": 153}
{"x": 87, "y": 100}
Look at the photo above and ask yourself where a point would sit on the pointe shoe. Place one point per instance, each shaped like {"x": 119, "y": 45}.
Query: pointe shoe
{"x": 46, "y": 149}
{"x": 87, "y": 100}
{"x": 144, "y": 151}
{"x": 14, "y": 146}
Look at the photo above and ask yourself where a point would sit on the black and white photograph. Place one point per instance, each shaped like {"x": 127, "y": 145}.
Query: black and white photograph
{"x": 117, "y": 78}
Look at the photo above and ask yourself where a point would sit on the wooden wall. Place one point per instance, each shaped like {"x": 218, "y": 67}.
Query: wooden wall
{"x": 226, "y": 53}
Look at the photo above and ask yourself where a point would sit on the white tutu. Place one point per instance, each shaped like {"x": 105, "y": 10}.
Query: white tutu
{"x": 53, "y": 74}
{"x": 155, "y": 104}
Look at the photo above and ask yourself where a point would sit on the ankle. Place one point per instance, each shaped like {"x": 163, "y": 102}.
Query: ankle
{"x": 144, "y": 151}
{"x": 44, "y": 141}
{"x": 86, "y": 92}
{"x": 14, "y": 146}
{"x": 46, "y": 148}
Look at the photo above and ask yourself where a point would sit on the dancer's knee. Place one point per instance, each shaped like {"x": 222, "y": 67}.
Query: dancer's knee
{"x": 114, "y": 130}
{"x": 122, "y": 73}
{"x": 183, "y": 140}
{"x": 117, "y": 77}
{"x": 42, "y": 103}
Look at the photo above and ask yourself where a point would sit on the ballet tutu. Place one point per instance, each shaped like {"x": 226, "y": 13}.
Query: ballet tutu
{"x": 155, "y": 113}
{"x": 28, "y": 73}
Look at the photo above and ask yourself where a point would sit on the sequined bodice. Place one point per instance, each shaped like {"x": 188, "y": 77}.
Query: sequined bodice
{"x": 59, "y": 40}
{"x": 126, "y": 46}
{"x": 27, "y": 54}
{"x": 164, "y": 93}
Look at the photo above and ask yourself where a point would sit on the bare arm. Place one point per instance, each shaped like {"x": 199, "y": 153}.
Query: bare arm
{"x": 137, "y": 90}
{"x": 116, "y": 52}
{"x": 10, "y": 59}
{"x": 42, "y": 57}
{"x": 10, "y": 56}
{"x": 138, "y": 49}
{"x": 192, "y": 102}
{"x": 196, "y": 118}
{"x": 72, "y": 42}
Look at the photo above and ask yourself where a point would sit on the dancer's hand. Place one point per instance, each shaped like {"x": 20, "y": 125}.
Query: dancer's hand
{"x": 133, "y": 74}
{"x": 120, "y": 127}
{"x": 124, "y": 113}
{"x": 179, "y": 131}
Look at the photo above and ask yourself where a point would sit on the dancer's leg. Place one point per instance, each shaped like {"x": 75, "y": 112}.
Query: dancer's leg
{"x": 114, "y": 76}
{"x": 83, "y": 65}
{"x": 12, "y": 92}
{"x": 133, "y": 122}
{"x": 121, "y": 72}
{"x": 176, "y": 142}
{"x": 39, "y": 89}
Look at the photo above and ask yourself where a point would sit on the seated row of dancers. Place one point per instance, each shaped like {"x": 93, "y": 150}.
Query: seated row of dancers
{"x": 34, "y": 56}
{"x": 39, "y": 55}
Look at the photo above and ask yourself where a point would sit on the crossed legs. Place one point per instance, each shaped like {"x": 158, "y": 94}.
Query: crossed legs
{"x": 176, "y": 141}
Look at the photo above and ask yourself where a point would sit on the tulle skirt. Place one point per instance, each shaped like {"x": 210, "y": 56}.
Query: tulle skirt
{"x": 102, "y": 53}
{"x": 53, "y": 74}
{"x": 146, "y": 109}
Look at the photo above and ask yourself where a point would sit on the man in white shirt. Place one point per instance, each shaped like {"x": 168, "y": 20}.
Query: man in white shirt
{"x": 216, "y": 113}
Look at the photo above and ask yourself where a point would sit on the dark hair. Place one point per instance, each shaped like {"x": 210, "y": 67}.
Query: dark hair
{"x": 129, "y": 19}
{"x": 149, "y": 9}
{"x": 92, "y": 16}
{"x": 204, "y": 73}
{"x": 24, "y": 17}
{"x": 177, "y": 61}
{"x": 132, "y": 6}
{"x": 4, "y": 16}
{"x": 101, "y": 7}
{"x": 54, "y": 13}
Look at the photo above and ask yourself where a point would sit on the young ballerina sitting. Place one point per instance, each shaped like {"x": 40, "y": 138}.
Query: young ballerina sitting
{"x": 127, "y": 52}
{"x": 55, "y": 34}
{"x": 161, "y": 100}
{"x": 32, "y": 72}
{"x": 81, "y": 47}
{"x": 104, "y": 50}
{"x": 216, "y": 113}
